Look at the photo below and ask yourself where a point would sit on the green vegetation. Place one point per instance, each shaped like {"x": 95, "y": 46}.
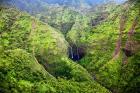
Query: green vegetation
{"x": 64, "y": 50}
{"x": 28, "y": 43}
{"x": 20, "y": 72}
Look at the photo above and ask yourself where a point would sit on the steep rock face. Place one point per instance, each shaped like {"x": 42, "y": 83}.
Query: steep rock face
{"x": 114, "y": 50}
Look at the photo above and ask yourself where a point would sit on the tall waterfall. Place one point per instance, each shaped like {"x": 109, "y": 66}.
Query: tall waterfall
{"x": 71, "y": 51}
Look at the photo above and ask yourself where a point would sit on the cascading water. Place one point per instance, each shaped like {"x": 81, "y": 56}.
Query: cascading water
{"x": 71, "y": 52}
{"x": 76, "y": 53}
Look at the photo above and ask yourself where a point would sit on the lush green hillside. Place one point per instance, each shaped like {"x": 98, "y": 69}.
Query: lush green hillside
{"x": 113, "y": 51}
{"x": 20, "y": 72}
{"x": 62, "y": 50}
{"x": 58, "y": 16}
{"x": 33, "y": 55}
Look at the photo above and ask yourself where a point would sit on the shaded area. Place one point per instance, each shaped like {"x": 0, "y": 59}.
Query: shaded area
{"x": 76, "y": 52}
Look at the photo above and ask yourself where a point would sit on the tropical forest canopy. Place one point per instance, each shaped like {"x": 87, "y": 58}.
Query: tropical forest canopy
{"x": 69, "y": 46}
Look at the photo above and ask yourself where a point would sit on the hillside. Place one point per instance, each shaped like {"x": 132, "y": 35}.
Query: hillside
{"x": 60, "y": 16}
{"x": 22, "y": 48}
{"x": 57, "y": 49}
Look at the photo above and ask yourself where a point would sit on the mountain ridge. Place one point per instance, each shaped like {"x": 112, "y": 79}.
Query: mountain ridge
{"x": 69, "y": 3}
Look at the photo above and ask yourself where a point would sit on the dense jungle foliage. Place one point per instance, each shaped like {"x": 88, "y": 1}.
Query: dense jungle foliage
{"x": 69, "y": 46}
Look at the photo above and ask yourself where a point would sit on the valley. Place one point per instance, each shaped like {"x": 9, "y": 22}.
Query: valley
{"x": 69, "y": 46}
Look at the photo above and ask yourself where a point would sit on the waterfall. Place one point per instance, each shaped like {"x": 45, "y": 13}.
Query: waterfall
{"x": 71, "y": 51}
